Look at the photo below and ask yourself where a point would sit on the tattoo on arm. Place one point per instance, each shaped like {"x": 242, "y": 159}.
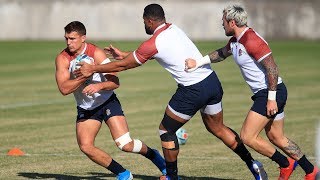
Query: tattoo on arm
{"x": 219, "y": 55}
{"x": 293, "y": 150}
{"x": 271, "y": 72}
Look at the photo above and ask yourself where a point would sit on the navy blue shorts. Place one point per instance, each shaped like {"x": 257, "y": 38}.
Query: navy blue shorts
{"x": 261, "y": 98}
{"x": 189, "y": 99}
{"x": 111, "y": 107}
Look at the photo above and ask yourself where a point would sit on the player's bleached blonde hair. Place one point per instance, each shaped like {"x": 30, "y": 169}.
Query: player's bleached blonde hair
{"x": 236, "y": 13}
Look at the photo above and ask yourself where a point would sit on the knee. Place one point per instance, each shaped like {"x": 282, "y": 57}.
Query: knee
{"x": 219, "y": 130}
{"x": 246, "y": 139}
{"x": 167, "y": 132}
{"x": 128, "y": 147}
{"x": 86, "y": 148}
{"x": 126, "y": 144}
{"x": 214, "y": 124}
{"x": 276, "y": 139}
{"x": 169, "y": 140}
{"x": 272, "y": 138}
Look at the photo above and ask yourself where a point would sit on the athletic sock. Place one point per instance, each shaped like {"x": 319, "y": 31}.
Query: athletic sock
{"x": 172, "y": 169}
{"x": 115, "y": 167}
{"x": 280, "y": 159}
{"x": 150, "y": 153}
{"x": 305, "y": 165}
{"x": 244, "y": 154}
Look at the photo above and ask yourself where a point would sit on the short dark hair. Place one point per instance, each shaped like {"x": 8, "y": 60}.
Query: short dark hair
{"x": 75, "y": 26}
{"x": 154, "y": 11}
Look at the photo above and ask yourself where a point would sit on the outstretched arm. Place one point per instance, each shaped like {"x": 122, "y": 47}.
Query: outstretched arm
{"x": 213, "y": 57}
{"x": 115, "y": 53}
{"x": 87, "y": 70}
{"x": 112, "y": 81}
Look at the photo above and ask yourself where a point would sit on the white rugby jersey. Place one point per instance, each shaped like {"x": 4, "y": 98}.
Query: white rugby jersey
{"x": 83, "y": 100}
{"x": 248, "y": 50}
{"x": 170, "y": 46}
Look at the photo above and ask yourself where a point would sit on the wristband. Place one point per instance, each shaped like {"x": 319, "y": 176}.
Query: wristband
{"x": 204, "y": 60}
{"x": 272, "y": 95}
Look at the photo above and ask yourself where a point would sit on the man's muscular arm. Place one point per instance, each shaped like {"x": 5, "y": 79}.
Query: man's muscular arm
{"x": 271, "y": 72}
{"x": 219, "y": 55}
{"x": 213, "y": 57}
{"x": 272, "y": 76}
{"x": 65, "y": 84}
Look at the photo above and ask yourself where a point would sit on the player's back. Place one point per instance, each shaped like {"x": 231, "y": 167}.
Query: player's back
{"x": 174, "y": 47}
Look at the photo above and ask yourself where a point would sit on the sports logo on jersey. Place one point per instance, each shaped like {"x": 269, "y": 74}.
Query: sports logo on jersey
{"x": 240, "y": 52}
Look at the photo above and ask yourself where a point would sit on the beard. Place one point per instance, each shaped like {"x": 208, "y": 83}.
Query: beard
{"x": 229, "y": 33}
{"x": 148, "y": 30}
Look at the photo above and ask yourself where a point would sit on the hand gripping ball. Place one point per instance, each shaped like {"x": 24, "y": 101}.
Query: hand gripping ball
{"x": 81, "y": 58}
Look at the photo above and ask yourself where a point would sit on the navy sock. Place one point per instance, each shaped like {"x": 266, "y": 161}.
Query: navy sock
{"x": 150, "y": 153}
{"x": 172, "y": 169}
{"x": 305, "y": 165}
{"x": 115, "y": 167}
{"x": 244, "y": 154}
{"x": 280, "y": 159}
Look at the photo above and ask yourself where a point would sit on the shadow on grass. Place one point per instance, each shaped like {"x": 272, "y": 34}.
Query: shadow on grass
{"x": 96, "y": 176}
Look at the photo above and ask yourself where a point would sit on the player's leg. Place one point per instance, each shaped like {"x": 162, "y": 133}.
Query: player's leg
{"x": 119, "y": 130}
{"x": 276, "y": 135}
{"x": 170, "y": 146}
{"x": 257, "y": 119}
{"x": 212, "y": 116}
{"x": 86, "y": 131}
{"x": 214, "y": 124}
{"x": 250, "y": 135}
{"x": 252, "y": 126}
{"x": 274, "y": 132}
{"x": 120, "y": 133}
{"x": 251, "y": 129}
{"x": 181, "y": 107}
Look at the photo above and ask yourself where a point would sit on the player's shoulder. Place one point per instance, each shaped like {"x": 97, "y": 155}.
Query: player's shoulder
{"x": 96, "y": 53}
{"x": 151, "y": 42}
{"x": 64, "y": 55}
{"x": 251, "y": 35}
{"x": 91, "y": 46}
{"x": 251, "y": 39}
{"x": 91, "y": 49}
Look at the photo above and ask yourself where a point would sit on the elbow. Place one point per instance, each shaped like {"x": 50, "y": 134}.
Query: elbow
{"x": 65, "y": 92}
{"x": 116, "y": 86}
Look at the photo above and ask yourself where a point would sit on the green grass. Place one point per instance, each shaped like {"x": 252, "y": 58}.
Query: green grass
{"x": 36, "y": 118}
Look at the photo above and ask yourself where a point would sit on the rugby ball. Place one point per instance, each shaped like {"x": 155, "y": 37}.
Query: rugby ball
{"x": 182, "y": 136}
{"x": 81, "y": 58}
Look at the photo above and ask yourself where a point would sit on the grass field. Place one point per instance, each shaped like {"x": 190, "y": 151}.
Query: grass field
{"x": 36, "y": 118}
